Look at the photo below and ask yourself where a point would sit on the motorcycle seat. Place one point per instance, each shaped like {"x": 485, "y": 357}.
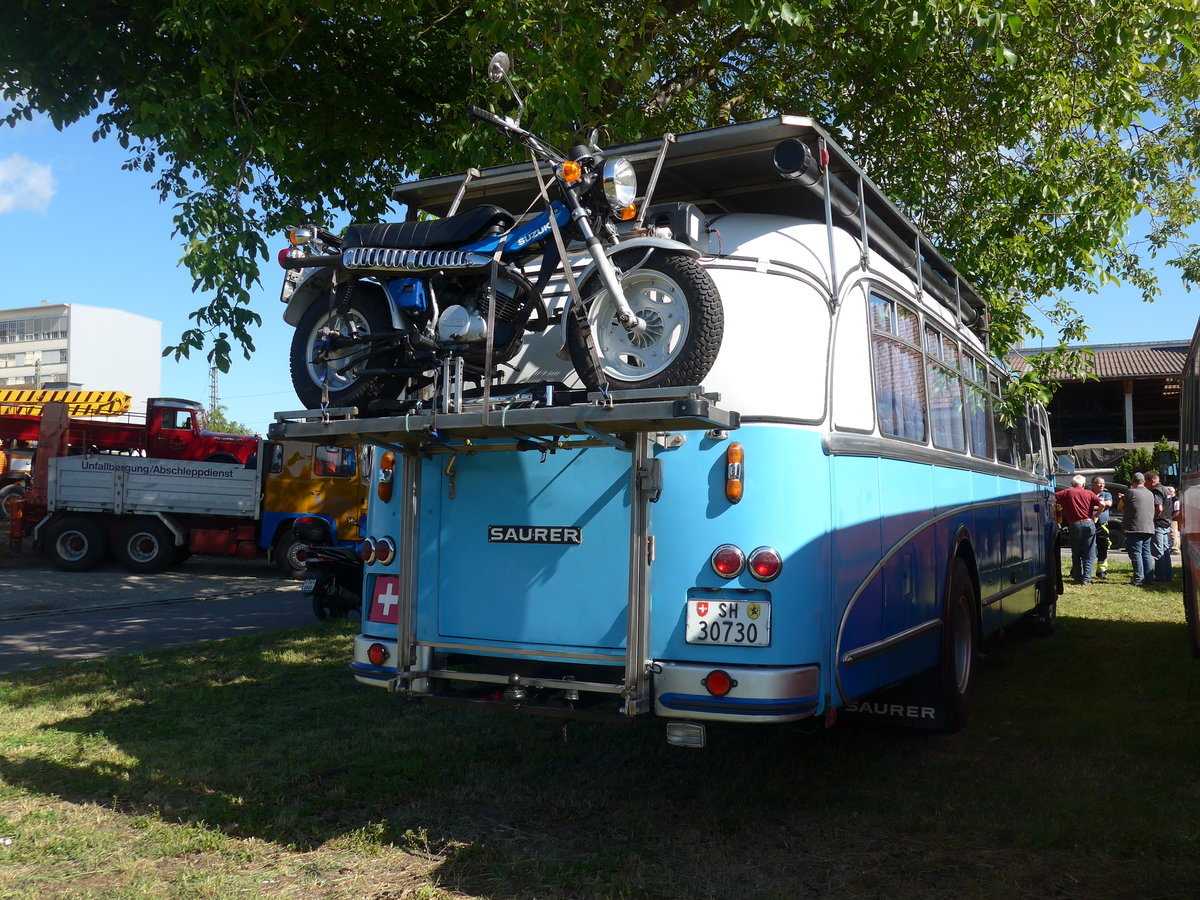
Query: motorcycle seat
{"x": 454, "y": 231}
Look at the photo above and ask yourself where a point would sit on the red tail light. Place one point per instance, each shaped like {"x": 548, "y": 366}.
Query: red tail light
{"x": 385, "y": 551}
{"x": 367, "y": 551}
{"x": 728, "y": 561}
{"x": 377, "y": 654}
{"x": 718, "y": 683}
{"x": 765, "y": 563}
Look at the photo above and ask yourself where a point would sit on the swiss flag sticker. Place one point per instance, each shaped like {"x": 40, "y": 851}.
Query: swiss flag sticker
{"x": 385, "y": 601}
{"x": 702, "y": 608}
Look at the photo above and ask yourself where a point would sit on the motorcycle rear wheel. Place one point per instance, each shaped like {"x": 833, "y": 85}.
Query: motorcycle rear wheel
{"x": 369, "y": 313}
{"x": 684, "y": 325}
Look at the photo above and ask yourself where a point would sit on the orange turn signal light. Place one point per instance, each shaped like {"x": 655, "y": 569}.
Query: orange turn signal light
{"x": 628, "y": 214}
{"x": 571, "y": 171}
{"x": 734, "y": 473}
{"x": 387, "y": 473}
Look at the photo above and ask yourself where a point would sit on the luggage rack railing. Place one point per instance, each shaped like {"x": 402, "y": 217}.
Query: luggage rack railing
{"x": 519, "y": 423}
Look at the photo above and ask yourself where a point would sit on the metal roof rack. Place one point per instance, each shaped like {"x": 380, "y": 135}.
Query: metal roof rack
{"x": 730, "y": 170}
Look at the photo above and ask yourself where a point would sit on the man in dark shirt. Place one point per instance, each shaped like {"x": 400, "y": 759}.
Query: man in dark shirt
{"x": 1080, "y": 507}
{"x": 1138, "y": 524}
{"x": 1160, "y": 547}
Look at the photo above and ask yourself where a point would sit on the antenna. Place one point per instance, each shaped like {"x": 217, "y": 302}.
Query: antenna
{"x": 213, "y": 397}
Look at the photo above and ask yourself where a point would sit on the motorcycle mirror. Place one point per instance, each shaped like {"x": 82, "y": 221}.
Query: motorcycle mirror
{"x": 498, "y": 70}
{"x": 499, "y": 67}
{"x": 594, "y": 140}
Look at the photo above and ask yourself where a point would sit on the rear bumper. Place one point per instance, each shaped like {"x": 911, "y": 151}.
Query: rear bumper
{"x": 366, "y": 672}
{"x": 759, "y": 693}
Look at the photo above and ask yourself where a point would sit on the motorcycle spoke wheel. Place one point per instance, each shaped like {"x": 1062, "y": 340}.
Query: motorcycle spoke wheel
{"x": 338, "y": 368}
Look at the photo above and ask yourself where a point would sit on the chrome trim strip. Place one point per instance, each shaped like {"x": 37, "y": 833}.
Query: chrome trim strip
{"x": 893, "y": 448}
{"x": 866, "y": 651}
{"x": 996, "y": 598}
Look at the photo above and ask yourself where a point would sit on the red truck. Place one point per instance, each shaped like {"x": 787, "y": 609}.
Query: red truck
{"x": 173, "y": 429}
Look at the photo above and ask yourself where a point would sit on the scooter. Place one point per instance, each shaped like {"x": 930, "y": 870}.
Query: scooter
{"x": 332, "y": 575}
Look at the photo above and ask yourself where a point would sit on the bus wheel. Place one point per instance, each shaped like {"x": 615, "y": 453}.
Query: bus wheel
{"x": 76, "y": 544}
{"x": 959, "y": 634}
{"x": 146, "y": 545}
{"x": 1191, "y": 602}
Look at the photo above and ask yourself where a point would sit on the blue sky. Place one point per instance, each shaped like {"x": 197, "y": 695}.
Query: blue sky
{"x": 78, "y": 229}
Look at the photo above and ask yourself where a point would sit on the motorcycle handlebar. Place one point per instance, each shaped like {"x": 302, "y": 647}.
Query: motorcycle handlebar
{"x": 309, "y": 262}
{"x": 477, "y": 113}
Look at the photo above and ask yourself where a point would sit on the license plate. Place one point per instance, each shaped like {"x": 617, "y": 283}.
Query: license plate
{"x": 739, "y": 623}
{"x": 291, "y": 281}
{"x": 309, "y": 584}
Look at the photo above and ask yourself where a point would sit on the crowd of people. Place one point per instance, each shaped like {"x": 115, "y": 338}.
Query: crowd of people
{"x": 1150, "y": 523}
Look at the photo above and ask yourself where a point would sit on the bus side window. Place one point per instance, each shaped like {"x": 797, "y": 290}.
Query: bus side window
{"x": 899, "y": 379}
{"x": 979, "y": 408}
{"x": 275, "y": 465}
{"x": 945, "y": 391}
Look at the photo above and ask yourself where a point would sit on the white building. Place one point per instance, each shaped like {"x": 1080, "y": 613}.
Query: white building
{"x": 68, "y": 345}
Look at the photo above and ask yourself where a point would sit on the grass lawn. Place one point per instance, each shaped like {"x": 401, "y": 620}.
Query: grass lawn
{"x": 256, "y": 767}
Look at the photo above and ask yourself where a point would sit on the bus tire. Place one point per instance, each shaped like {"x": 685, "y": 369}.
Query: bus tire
{"x": 956, "y": 672}
{"x": 76, "y": 544}
{"x": 285, "y": 556}
{"x": 1191, "y": 602}
{"x": 145, "y": 545}
{"x": 684, "y": 318}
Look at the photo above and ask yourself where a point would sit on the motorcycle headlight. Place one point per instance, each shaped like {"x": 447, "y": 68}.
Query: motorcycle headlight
{"x": 620, "y": 182}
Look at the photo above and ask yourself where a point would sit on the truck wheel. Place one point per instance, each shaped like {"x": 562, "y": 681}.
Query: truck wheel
{"x": 76, "y": 544}
{"x": 956, "y": 673}
{"x": 286, "y": 557}
{"x": 7, "y": 495}
{"x": 146, "y": 545}
{"x": 224, "y": 458}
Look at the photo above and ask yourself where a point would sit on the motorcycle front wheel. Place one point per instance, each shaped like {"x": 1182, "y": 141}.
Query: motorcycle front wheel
{"x": 342, "y": 368}
{"x": 684, "y": 324}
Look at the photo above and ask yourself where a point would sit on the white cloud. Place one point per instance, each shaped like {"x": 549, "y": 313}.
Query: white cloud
{"x": 24, "y": 184}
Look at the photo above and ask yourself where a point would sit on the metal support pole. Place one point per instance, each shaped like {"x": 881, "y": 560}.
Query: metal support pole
{"x": 641, "y": 544}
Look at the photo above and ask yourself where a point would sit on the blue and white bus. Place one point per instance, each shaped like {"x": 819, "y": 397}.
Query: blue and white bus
{"x": 834, "y": 521}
